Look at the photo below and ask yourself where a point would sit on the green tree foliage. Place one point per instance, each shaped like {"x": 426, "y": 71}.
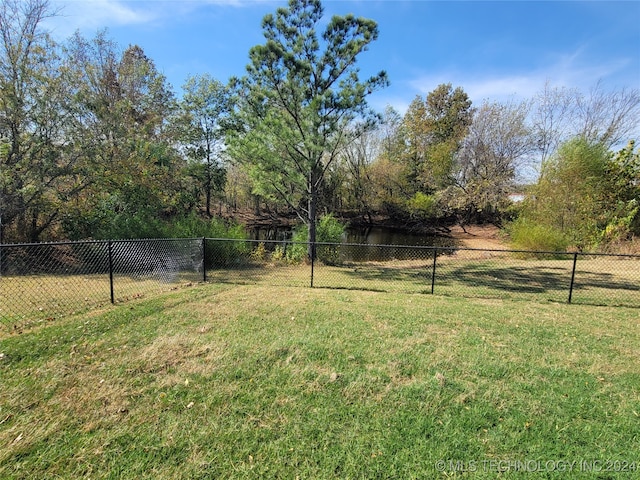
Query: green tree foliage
{"x": 93, "y": 143}
{"x": 298, "y": 101}
{"x": 416, "y": 138}
{"x": 238, "y": 188}
{"x": 530, "y": 235}
{"x": 571, "y": 188}
{"x": 623, "y": 196}
{"x": 122, "y": 109}
{"x": 204, "y": 108}
{"x": 36, "y": 171}
{"x": 355, "y": 163}
{"x": 330, "y": 230}
{"x": 388, "y": 175}
{"x": 586, "y": 196}
{"x": 422, "y": 206}
{"x": 433, "y": 131}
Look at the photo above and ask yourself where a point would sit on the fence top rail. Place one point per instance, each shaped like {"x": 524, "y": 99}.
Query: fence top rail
{"x": 54, "y": 244}
{"x": 143, "y": 240}
{"x": 94, "y": 242}
{"x": 498, "y": 250}
{"x": 289, "y": 242}
{"x": 430, "y": 247}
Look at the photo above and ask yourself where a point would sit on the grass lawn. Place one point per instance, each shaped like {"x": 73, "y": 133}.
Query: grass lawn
{"x": 254, "y": 381}
{"x": 30, "y": 300}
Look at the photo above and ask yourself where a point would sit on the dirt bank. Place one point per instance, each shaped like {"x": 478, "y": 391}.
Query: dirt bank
{"x": 487, "y": 237}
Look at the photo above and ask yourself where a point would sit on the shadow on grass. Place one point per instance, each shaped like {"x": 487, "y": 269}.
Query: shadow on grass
{"x": 473, "y": 279}
{"x": 480, "y": 279}
{"x": 416, "y": 273}
{"x": 252, "y": 274}
{"x": 353, "y": 288}
{"x": 535, "y": 279}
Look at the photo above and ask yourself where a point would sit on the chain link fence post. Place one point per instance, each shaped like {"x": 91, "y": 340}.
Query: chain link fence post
{"x": 573, "y": 275}
{"x": 433, "y": 270}
{"x": 204, "y": 259}
{"x": 110, "y": 254}
{"x": 313, "y": 260}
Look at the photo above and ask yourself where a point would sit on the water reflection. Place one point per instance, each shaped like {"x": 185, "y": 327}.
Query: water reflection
{"x": 391, "y": 245}
{"x": 277, "y": 234}
{"x": 389, "y": 236}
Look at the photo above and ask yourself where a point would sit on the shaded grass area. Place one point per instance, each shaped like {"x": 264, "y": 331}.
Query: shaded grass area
{"x": 32, "y": 299}
{"x": 226, "y": 381}
{"x": 597, "y": 280}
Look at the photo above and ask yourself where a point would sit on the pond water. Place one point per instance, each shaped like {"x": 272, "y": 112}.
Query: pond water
{"x": 397, "y": 239}
{"x": 391, "y": 236}
{"x": 355, "y": 239}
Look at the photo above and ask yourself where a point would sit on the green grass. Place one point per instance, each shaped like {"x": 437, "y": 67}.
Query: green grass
{"x": 29, "y": 300}
{"x": 599, "y": 280}
{"x": 224, "y": 381}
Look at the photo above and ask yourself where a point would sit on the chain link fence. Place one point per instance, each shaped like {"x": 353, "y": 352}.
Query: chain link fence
{"x": 594, "y": 279}
{"x": 41, "y": 282}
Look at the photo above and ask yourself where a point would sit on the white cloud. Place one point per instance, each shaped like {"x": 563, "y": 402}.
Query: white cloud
{"x": 572, "y": 71}
{"x": 110, "y": 11}
{"x": 91, "y": 15}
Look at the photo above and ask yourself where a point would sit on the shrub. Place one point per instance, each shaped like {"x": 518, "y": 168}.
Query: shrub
{"x": 297, "y": 252}
{"x": 328, "y": 230}
{"x": 116, "y": 226}
{"x": 526, "y": 235}
{"x": 278, "y": 254}
{"x": 259, "y": 253}
{"x": 193, "y": 226}
{"x": 422, "y": 205}
{"x": 219, "y": 253}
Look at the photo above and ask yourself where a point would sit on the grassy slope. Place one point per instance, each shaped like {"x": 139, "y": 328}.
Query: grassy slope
{"x": 255, "y": 382}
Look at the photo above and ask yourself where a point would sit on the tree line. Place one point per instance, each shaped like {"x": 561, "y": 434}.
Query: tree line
{"x": 94, "y": 142}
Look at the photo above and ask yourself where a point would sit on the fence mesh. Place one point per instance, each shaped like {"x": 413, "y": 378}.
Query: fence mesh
{"x": 40, "y": 282}
{"x": 595, "y": 279}
{"x": 253, "y": 262}
{"x": 145, "y": 267}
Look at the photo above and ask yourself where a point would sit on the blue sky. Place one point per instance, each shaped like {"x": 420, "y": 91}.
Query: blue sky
{"x": 493, "y": 50}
